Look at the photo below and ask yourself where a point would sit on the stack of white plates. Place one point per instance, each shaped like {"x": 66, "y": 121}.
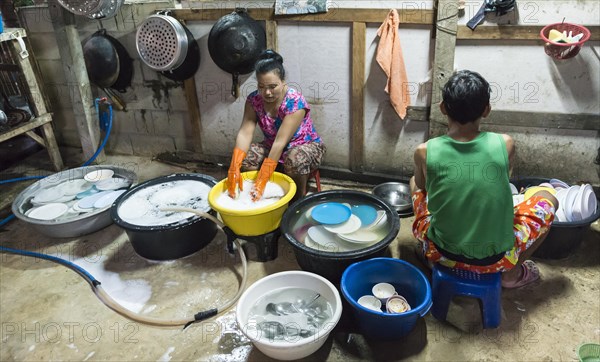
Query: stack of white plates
{"x": 576, "y": 203}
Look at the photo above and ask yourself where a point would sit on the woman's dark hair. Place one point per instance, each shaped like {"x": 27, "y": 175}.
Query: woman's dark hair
{"x": 269, "y": 61}
{"x": 466, "y": 95}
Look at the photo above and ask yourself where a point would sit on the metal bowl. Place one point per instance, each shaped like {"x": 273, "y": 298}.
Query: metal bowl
{"x": 81, "y": 225}
{"x": 395, "y": 194}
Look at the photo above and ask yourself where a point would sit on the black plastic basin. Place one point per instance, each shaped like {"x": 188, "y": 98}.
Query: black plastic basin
{"x": 328, "y": 264}
{"x": 168, "y": 241}
{"x": 564, "y": 237}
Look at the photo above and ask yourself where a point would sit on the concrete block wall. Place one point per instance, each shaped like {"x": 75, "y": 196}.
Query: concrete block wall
{"x": 318, "y": 62}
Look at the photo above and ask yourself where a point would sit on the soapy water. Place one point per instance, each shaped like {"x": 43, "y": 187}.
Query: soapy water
{"x": 143, "y": 208}
{"x": 301, "y": 321}
{"x": 337, "y": 243}
{"x": 273, "y": 193}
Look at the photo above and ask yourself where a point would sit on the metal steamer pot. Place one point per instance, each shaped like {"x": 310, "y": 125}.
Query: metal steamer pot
{"x": 167, "y": 46}
{"x": 93, "y": 9}
{"x": 234, "y": 44}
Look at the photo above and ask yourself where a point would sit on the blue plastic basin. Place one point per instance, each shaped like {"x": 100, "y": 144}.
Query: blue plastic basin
{"x": 358, "y": 280}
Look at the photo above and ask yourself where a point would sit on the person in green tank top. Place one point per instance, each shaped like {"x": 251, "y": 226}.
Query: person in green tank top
{"x": 464, "y": 213}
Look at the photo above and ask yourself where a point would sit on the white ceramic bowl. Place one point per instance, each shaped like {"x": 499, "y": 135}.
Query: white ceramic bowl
{"x": 297, "y": 347}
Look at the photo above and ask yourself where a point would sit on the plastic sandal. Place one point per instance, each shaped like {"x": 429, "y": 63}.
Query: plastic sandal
{"x": 531, "y": 273}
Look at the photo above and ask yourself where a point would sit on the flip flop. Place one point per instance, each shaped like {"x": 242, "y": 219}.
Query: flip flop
{"x": 531, "y": 273}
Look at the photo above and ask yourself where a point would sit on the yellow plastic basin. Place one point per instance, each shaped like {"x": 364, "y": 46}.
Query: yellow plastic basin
{"x": 256, "y": 221}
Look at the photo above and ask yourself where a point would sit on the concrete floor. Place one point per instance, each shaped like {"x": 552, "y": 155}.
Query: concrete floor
{"x": 48, "y": 312}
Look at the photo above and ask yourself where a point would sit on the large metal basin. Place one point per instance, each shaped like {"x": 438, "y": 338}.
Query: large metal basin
{"x": 79, "y": 225}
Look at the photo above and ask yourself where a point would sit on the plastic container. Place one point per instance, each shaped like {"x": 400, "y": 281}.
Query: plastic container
{"x": 328, "y": 264}
{"x": 409, "y": 282}
{"x": 564, "y": 237}
{"x": 562, "y": 51}
{"x": 293, "y": 348}
{"x": 589, "y": 352}
{"x": 256, "y": 221}
{"x": 168, "y": 241}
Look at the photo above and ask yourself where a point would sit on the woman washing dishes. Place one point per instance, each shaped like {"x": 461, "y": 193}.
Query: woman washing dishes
{"x": 283, "y": 116}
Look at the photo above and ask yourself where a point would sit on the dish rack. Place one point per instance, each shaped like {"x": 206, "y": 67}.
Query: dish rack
{"x": 17, "y": 79}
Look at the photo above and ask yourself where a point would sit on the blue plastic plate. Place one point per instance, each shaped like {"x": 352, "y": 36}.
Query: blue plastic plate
{"x": 367, "y": 214}
{"x": 331, "y": 213}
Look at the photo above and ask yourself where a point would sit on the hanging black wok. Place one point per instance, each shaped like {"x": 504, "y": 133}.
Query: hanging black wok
{"x": 107, "y": 61}
{"x": 234, "y": 44}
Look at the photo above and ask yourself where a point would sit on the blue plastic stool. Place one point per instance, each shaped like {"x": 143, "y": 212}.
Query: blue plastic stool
{"x": 447, "y": 283}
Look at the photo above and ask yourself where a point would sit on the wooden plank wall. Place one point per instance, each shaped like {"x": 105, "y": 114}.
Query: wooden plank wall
{"x": 447, "y": 33}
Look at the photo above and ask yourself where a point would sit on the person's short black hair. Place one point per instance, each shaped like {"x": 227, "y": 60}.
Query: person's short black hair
{"x": 269, "y": 61}
{"x": 466, "y": 96}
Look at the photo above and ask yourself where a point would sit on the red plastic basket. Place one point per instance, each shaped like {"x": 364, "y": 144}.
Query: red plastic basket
{"x": 564, "y": 50}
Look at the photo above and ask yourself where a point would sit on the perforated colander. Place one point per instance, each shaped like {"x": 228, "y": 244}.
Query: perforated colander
{"x": 161, "y": 42}
{"x": 93, "y": 9}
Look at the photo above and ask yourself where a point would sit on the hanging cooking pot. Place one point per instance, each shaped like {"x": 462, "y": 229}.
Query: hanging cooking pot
{"x": 234, "y": 44}
{"x": 167, "y": 46}
{"x": 93, "y": 9}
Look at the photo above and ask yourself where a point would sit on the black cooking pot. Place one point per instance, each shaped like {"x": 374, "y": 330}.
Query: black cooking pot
{"x": 107, "y": 61}
{"x": 168, "y": 241}
{"x": 234, "y": 44}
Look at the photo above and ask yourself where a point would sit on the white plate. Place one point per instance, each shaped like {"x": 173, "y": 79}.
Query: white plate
{"x": 98, "y": 175}
{"x": 73, "y": 187}
{"x": 577, "y": 203}
{"x": 380, "y": 220}
{"x": 48, "y": 195}
{"x": 347, "y": 227}
{"x": 88, "y": 202}
{"x": 360, "y": 236}
{"x": 319, "y": 235}
{"x": 513, "y": 189}
{"x": 588, "y": 201}
{"x": 108, "y": 199}
{"x": 113, "y": 183}
{"x": 134, "y": 208}
{"x": 560, "y": 212}
{"x": 569, "y": 199}
{"x": 48, "y": 211}
{"x": 558, "y": 184}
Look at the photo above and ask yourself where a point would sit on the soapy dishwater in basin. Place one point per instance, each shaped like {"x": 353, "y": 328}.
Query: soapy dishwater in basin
{"x": 143, "y": 208}
{"x": 273, "y": 193}
{"x": 307, "y": 316}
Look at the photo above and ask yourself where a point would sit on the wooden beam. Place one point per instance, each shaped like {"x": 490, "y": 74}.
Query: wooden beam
{"x": 271, "y": 29}
{"x": 25, "y": 127}
{"x": 512, "y": 32}
{"x": 581, "y": 121}
{"x": 357, "y": 119}
{"x": 36, "y": 138}
{"x": 410, "y": 15}
{"x": 191, "y": 97}
{"x": 71, "y": 54}
{"x": 443, "y": 65}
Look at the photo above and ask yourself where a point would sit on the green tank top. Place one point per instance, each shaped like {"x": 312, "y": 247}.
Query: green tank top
{"x": 469, "y": 196}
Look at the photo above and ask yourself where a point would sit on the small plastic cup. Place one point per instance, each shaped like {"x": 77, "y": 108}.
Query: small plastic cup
{"x": 383, "y": 291}
{"x": 397, "y": 304}
{"x": 370, "y": 302}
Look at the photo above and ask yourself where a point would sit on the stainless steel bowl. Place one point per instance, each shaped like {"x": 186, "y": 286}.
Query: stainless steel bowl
{"x": 79, "y": 225}
{"x": 395, "y": 194}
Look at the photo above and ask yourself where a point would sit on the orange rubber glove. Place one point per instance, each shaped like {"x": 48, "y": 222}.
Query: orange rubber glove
{"x": 234, "y": 178}
{"x": 266, "y": 170}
